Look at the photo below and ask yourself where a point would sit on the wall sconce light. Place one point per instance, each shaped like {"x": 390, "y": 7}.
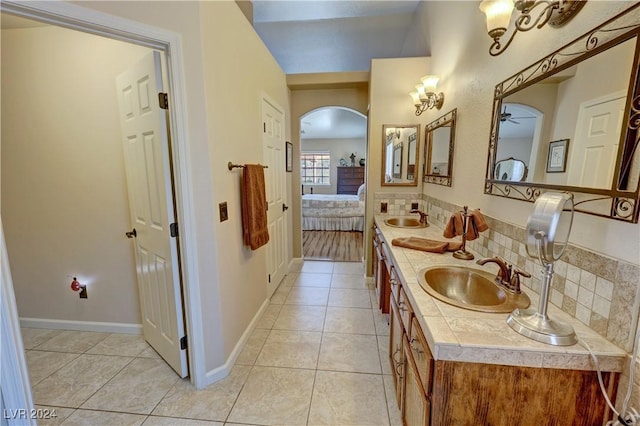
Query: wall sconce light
{"x": 425, "y": 97}
{"x": 555, "y": 13}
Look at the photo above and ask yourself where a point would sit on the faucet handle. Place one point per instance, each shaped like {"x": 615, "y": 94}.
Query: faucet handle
{"x": 518, "y": 271}
{"x": 514, "y": 284}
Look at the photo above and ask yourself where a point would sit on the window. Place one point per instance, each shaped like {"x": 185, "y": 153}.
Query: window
{"x": 315, "y": 168}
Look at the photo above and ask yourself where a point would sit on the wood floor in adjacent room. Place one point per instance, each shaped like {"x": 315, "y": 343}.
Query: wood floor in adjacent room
{"x": 338, "y": 246}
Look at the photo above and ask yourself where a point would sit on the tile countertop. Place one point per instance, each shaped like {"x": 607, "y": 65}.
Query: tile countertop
{"x": 456, "y": 334}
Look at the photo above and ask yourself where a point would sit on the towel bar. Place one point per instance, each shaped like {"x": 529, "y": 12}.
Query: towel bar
{"x": 232, "y": 166}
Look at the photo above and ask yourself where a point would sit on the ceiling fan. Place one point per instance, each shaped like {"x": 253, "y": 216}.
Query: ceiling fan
{"x": 506, "y": 116}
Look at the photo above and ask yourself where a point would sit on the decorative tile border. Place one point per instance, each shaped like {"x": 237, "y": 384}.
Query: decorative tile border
{"x": 600, "y": 291}
{"x": 397, "y": 204}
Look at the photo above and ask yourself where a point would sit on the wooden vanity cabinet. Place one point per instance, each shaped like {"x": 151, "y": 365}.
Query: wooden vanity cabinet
{"x": 381, "y": 270}
{"x": 445, "y": 393}
{"x": 417, "y": 407}
{"x": 396, "y": 351}
{"x": 411, "y": 362}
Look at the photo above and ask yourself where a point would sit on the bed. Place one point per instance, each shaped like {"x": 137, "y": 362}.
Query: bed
{"x": 332, "y": 212}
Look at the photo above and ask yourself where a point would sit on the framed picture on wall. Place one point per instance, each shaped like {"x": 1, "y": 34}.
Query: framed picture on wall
{"x": 557, "y": 159}
{"x": 289, "y": 156}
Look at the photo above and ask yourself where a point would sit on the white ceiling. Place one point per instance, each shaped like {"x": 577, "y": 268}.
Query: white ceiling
{"x": 311, "y": 36}
{"x": 333, "y": 123}
{"x": 521, "y": 124}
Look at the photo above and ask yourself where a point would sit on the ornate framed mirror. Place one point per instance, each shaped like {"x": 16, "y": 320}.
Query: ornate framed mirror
{"x": 588, "y": 93}
{"x": 438, "y": 149}
{"x": 399, "y": 153}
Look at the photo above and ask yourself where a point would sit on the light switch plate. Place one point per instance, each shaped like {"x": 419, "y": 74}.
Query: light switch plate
{"x": 383, "y": 207}
{"x": 224, "y": 213}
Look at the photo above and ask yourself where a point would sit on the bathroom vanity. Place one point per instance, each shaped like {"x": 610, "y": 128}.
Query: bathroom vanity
{"x": 453, "y": 366}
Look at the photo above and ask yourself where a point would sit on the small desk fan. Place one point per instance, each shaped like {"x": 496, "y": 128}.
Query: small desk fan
{"x": 548, "y": 230}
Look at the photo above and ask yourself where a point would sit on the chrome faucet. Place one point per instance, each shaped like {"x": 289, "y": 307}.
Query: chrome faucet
{"x": 508, "y": 276}
{"x": 423, "y": 215}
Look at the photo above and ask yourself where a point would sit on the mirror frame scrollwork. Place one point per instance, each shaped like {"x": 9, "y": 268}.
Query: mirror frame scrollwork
{"x": 621, "y": 205}
{"x": 447, "y": 119}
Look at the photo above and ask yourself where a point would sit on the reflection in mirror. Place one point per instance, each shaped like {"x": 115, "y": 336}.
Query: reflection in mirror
{"x": 439, "y": 140}
{"x": 399, "y": 164}
{"x": 511, "y": 169}
{"x": 411, "y": 158}
{"x": 397, "y": 161}
{"x": 583, "y": 95}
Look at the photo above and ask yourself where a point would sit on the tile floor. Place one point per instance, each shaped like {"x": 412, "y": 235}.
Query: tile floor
{"x": 318, "y": 356}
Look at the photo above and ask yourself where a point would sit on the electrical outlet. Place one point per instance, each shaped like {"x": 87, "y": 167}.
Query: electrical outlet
{"x": 224, "y": 212}
{"x": 83, "y": 292}
{"x": 383, "y": 207}
{"x": 414, "y": 206}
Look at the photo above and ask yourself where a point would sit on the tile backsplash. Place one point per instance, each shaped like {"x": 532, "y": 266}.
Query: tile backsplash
{"x": 397, "y": 204}
{"x": 599, "y": 291}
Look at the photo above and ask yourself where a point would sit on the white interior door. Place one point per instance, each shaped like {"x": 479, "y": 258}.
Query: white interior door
{"x": 146, "y": 152}
{"x": 274, "y": 158}
{"x": 593, "y": 155}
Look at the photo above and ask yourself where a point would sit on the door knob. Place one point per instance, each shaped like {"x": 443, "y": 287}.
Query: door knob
{"x": 285, "y": 207}
{"x": 131, "y": 234}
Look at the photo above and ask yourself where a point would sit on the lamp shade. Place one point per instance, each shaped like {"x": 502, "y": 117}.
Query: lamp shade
{"x": 498, "y": 13}
{"x": 430, "y": 83}
{"x": 416, "y": 98}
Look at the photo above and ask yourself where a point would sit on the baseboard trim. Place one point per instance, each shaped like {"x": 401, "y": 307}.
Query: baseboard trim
{"x": 102, "y": 327}
{"x": 223, "y": 371}
{"x": 295, "y": 264}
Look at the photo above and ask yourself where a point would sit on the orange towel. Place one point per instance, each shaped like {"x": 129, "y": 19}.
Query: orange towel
{"x": 255, "y": 232}
{"x": 475, "y": 225}
{"x": 423, "y": 244}
{"x": 454, "y": 226}
{"x": 454, "y": 245}
{"x": 478, "y": 219}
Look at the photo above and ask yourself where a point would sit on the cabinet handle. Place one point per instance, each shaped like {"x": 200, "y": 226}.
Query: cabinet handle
{"x": 417, "y": 349}
{"x": 398, "y": 364}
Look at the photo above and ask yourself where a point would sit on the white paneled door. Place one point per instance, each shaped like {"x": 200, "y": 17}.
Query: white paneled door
{"x": 146, "y": 150}
{"x": 592, "y": 157}
{"x": 274, "y": 158}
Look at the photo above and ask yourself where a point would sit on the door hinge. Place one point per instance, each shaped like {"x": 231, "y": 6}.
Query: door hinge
{"x": 163, "y": 100}
{"x": 173, "y": 228}
{"x": 183, "y": 342}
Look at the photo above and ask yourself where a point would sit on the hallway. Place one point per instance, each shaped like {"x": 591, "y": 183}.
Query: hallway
{"x": 317, "y": 356}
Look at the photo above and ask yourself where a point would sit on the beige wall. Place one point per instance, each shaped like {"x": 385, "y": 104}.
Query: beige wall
{"x": 237, "y": 74}
{"x": 302, "y": 102}
{"x": 227, "y": 70}
{"x": 391, "y": 82}
{"x": 468, "y": 77}
{"x": 65, "y": 204}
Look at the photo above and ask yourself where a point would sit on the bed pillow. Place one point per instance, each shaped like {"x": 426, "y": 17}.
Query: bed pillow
{"x": 361, "y": 192}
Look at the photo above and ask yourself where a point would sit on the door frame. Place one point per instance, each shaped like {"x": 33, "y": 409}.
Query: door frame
{"x": 98, "y": 23}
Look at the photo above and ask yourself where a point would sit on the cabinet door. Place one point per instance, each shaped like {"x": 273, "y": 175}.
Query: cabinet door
{"x": 417, "y": 408}
{"x": 421, "y": 355}
{"x": 396, "y": 351}
{"x": 382, "y": 277}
